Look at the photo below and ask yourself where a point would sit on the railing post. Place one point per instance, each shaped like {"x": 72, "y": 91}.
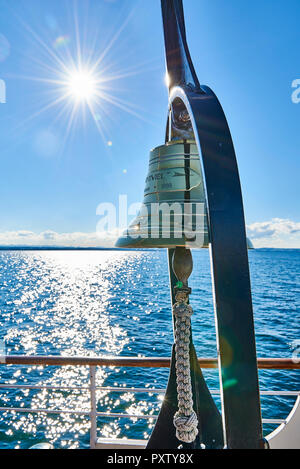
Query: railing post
{"x": 93, "y": 413}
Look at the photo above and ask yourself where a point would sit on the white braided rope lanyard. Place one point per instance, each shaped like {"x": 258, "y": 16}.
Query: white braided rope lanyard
{"x": 185, "y": 419}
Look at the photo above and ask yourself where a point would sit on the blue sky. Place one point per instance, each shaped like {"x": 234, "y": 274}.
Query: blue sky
{"x": 54, "y": 173}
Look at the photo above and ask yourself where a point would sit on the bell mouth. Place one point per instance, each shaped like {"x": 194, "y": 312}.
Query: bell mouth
{"x": 162, "y": 228}
{"x": 126, "y": 242}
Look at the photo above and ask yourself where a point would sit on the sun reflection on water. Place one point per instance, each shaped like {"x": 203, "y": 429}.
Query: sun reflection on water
{"x": 63, "y": 304}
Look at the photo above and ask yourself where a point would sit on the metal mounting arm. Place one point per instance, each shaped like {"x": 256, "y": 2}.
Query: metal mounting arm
{"x": 180, "y": 67}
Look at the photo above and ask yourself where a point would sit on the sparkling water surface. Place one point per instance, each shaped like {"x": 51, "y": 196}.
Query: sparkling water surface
{"x": 117, "y": 303}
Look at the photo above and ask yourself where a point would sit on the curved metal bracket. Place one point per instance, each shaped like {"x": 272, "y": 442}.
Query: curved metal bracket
{"x": 230, "y": 269}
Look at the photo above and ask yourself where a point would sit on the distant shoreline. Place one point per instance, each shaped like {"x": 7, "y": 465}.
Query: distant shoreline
{"x": 66, "y": 248}
{"x": 56, "y": 248}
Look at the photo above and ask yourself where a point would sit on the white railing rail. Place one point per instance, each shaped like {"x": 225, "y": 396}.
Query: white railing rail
{"x": 92, "y": 389}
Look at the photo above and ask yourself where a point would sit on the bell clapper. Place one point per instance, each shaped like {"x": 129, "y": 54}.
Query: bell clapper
{"x": 185, "y": 419}
{"x": 182, "y": 264}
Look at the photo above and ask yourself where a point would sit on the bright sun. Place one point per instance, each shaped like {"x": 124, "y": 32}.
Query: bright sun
{"x": 82, "y": 85}
{"x": 80, "y": 78}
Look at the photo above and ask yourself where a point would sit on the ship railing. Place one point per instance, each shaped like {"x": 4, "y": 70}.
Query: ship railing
{"x": 132, "y": 362}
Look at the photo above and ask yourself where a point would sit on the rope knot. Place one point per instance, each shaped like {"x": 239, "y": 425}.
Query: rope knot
{"x": 186, "y": 427}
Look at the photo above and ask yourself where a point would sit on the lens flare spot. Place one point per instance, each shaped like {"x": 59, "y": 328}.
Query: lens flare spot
{"x": 61, "y": 41}
{"x": 230, "y": 383}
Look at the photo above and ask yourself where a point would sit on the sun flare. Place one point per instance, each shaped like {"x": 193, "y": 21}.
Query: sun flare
{"x": 82, "y": 86}
{"x": 79, "y": 79}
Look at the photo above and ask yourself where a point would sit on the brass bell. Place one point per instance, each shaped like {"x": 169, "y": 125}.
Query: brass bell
{"x": 173, "y": 212}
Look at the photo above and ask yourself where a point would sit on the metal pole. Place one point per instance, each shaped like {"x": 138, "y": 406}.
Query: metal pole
{"x": 93, "y": 413}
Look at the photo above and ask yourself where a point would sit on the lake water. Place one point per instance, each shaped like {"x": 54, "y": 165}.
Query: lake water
{"x": 117, "y": 303}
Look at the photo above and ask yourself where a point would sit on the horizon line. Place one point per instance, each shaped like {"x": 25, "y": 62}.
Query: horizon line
{"x": 94, "y": 248}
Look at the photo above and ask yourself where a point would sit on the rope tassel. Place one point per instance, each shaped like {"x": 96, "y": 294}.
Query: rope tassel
{"x": 185, "y": 419}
